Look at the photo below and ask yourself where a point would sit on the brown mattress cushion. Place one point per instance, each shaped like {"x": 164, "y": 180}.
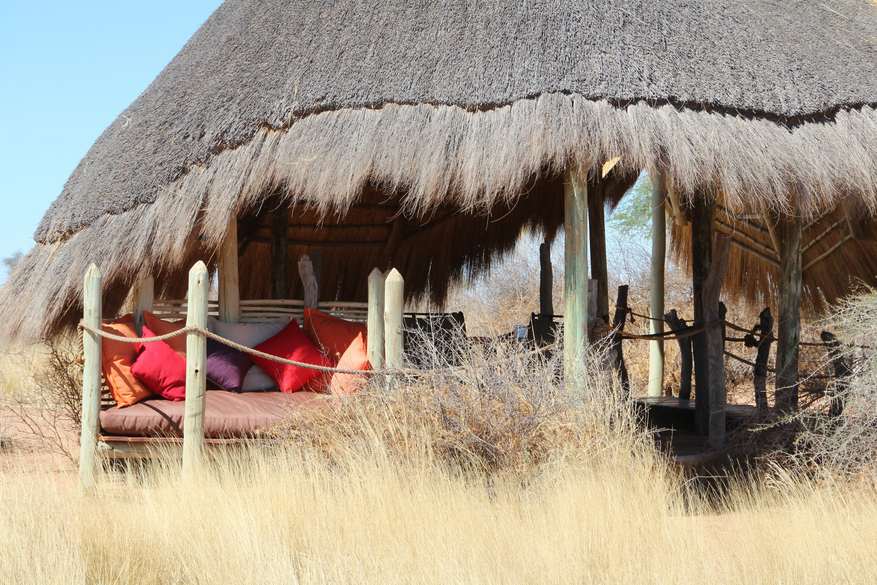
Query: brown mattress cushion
{"x": 227, "y": 414}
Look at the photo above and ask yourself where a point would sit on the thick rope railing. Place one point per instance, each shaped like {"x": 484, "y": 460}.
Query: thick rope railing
{"x": 232, "y": 344}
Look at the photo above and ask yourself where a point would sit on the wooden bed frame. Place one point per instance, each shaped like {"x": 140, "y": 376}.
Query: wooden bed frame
{"x": 253, "y": 311}
{"x": 382, "y": 313}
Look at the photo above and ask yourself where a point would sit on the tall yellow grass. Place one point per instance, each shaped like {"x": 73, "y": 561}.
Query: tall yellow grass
{"x": 492, "y": 476}
{"x": 280, "y": 518}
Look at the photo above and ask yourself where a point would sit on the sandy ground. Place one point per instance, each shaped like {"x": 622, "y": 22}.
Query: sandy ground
{"x": 36, "y": 440}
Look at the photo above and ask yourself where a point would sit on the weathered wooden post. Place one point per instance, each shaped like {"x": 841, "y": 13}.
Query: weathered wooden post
{"x": 789, "y": 317}
{"x": 229, "y": 277}
{"x": 759, "y": 373}
{"x": 546, "y": 281}
{"x": 575, "y": 298}
{"x": 375, "y": 341}
{"x": 144, "y": 296}
{"x": 196, "y": 363}
{"x": 309, "y": 282}
{"x": 703, "y": 213}
{"x": 842, "y": 373}
{"x": 597, "y": 240}
{"x": 656, "y": 305}
{"x": 618, "y": 325}
{"x": 280, "y": 250}
{"x": 715, "y": 342}
{"x": 394, "y": 299}
{"x": 676, "y": 324}
{"x": 91, "y": 348}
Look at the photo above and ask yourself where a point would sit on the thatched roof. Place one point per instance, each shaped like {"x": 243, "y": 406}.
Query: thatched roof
{"x": 838, "y": 257}
{"x": 464, "y": 105}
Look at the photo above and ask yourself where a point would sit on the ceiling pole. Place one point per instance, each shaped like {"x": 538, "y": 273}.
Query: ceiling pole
{"x": 546, "y": 281}
{"x": 703, "y": 213}
{"x": 575, "y": 294}
{"x": 144, "y": 295}
{"x": 656, "y": 305}
{"x": 228, "y": 279}
{"x": 280, "y": 251}
{"x": 715, "y": 337}
{"x": 597, "y": 226}
{"x": 789, "y": 317}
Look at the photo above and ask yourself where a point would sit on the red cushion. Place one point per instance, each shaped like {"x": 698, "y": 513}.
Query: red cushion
{"x": 292, "y": 344}
{"x": 162, "y": 327}
{"x": 160, "y": 368}
{"x": 331, "y": 334}
{"x": 354, "y": 358}
{"x": 118, "y": 357}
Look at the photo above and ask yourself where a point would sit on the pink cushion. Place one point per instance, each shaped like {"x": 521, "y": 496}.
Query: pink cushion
{"x": 291, "y": 343}
{"x": 160, "y": 368}
{"x": 354, "y": 358}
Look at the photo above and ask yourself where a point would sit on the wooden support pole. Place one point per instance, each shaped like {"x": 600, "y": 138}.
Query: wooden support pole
{"x": 759, "y": 373}
{"x": 771, "y": 222}
{"x": 715, "y": 338}
{"x": 575, "y": 298}
{"x": 394, "y": 302}
{"x": 228, "y": 279}
{"x": 196, "y": 365}
{"x": 618, "y": 325}
{"x": 842, "y": 373}
{"x": 702, "y": 228}
{"x": 686, "y": 366}
{"x": 309, "y": 281}
{"x": 546, "y": 280}
{"x": 394, "y": 240}
{"x": 597, "y": 226}
{"x": 676, "y": 206}
{"x": 375, "y": 340}
{"x": 144, "y": 296}
{"x": 789, "y": 317}
{"x": 656, "y": 305}
{"x": 91, "y": 375}
{"x": 316, "y": 255}
{"x": 854, "y": 219}
{"x": 280, "y": 251}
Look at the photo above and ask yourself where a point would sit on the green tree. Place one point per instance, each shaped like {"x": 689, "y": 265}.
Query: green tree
{"x": 633, "y": 216}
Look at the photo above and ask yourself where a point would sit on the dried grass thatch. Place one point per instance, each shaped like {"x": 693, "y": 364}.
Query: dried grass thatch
{"x": 475, "y": 107}
{"x": 838, "y": 256}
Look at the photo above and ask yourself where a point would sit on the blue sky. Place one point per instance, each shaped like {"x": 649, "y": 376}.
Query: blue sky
{"x": 67, "y": 70}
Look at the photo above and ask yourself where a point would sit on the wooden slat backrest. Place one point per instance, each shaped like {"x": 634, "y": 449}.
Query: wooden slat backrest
{"x": 258, "y": 311}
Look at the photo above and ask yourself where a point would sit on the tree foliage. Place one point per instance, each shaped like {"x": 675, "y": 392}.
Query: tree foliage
{"x": 11, "y": 262}
{"x": 633, "y": 216}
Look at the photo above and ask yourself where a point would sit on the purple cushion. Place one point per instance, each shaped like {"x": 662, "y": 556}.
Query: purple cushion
{"x": 226, "y": 366}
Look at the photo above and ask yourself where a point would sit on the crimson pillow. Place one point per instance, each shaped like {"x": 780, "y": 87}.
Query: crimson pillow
{"x": 292, "y": 344}
{"x": 160, "y": 368}
{"x": 332, "y": 334}
{"x": 162, "y": 327}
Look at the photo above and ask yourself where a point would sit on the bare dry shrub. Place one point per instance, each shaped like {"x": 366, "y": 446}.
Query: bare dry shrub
{"x": 845, "y": 445}
{"x": 504, "y": 411}
{"x": 45, "y": 398}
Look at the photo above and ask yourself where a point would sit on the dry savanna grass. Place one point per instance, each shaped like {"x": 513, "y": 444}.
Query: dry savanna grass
{"x": 487, "y": 470}
{"x": 280, "y": 517}
{"x": 469, "y": 475}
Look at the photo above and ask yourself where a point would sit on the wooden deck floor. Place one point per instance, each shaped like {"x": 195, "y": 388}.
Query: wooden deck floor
{"x": 676, "y": 436}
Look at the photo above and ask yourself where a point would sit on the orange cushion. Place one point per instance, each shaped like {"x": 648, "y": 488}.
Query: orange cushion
{"x": 117, "y": 358}
{"x": 354, "y": 358}
{"x": 331, "y": 334}
{"x": 162, "y": 327}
